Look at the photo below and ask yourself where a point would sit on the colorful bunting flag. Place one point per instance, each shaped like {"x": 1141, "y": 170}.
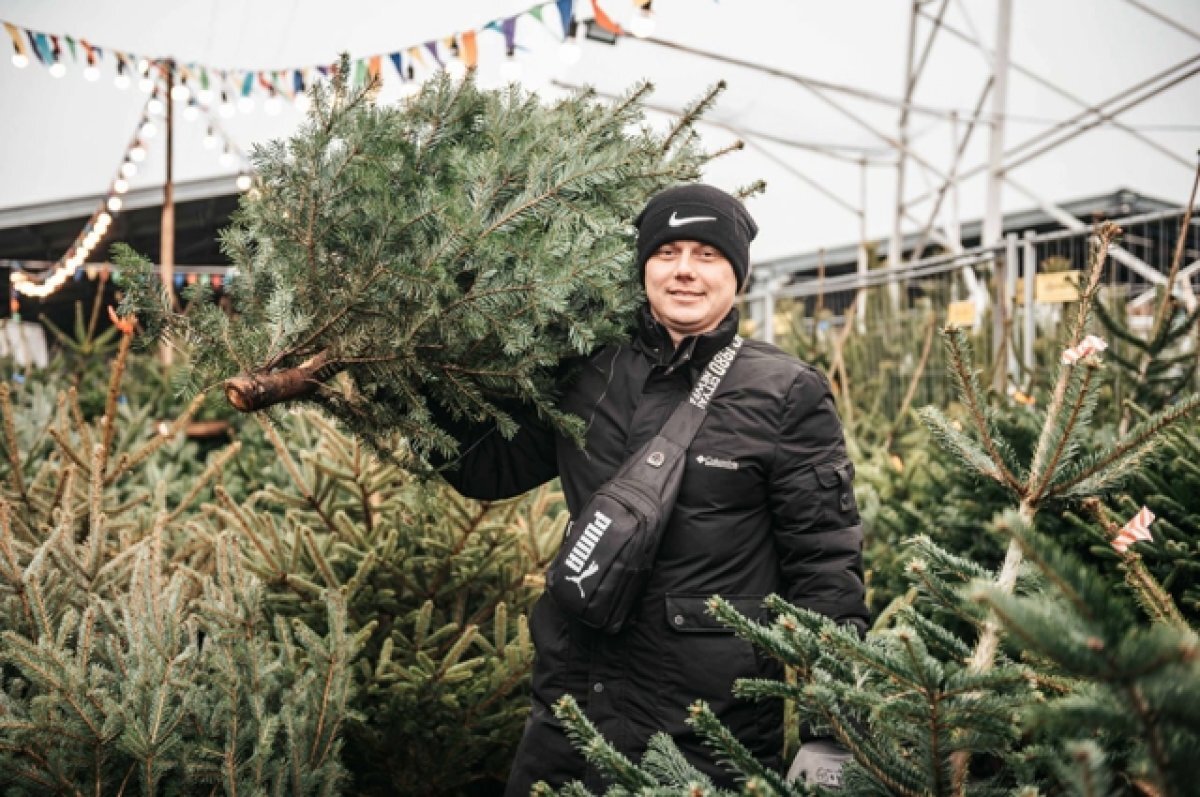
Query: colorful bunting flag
{"x": 604, "y": 20}
{"x": 470, "y": 52}
{"x": 18, "y": 45}
{"x": 566, "y": 9}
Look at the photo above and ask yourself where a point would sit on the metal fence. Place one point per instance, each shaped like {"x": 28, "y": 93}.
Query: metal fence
{"x": 1009, "y": 297}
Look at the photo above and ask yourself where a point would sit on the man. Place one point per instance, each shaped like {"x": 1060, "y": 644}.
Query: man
{"x": 766, "y": 505}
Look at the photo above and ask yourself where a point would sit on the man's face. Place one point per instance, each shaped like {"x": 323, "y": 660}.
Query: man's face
{"x": 691, "y": 287}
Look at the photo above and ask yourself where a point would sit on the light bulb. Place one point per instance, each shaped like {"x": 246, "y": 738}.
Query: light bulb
{"x": 569, "y": 52}
{"x": 20, "y": 60}
{"x": 302, "y": 103}
{"x": 455, "y": 68}
{"x": 149, "y": 129}
{"x": 192, "y": 112}
{"x": 120, "y": 185}
{"x": 273, "y": 105}
{"x": 180, "y": 92}
{"x": 227, "y": 159}
{"x": 114, "y": 203}
{"x": 510, "y": 70}
{"x": 228, "y": 109}
{"x": 128, "y": 169}
{"x": 121, "y": 81}
{"x": 204, "y": 96}
{"x": 243, "y": 182}
{"x": 408, "y": 88}
{"x": 137, "y": 153}
{"x": 57, "y": 69}
{"x": 155, "y": 106}
{"x": 210, "y": 139}
{"x": 246, "y": 103}
{"x": 642, "y": 24}
{"x": 104, "y": 220}
{"x": 91, "y": 73}
{"x": 146, "y": 84}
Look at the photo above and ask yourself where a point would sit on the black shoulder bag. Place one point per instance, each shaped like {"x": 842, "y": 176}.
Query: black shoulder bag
{"x": 607, "y": 554}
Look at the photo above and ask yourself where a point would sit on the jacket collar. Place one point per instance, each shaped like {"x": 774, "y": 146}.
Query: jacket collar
{"x": 653, "y": 340}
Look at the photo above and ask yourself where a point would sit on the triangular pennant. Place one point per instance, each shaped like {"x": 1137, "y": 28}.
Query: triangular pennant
{"x": 360, "y": 72}
{"x": 565, "y": 10}
{"x": 603, "y": 20}
{"x": 41, "y": 45}
{"x": 415, "y": 54}
{"x": 18, "y": 44}
{"x": 71, "y": 46}
{"x": 432, "y": 48}
{"x": 470, "y": 52}
{"x": 375, "y": 67}
{"x": 509, "y": 27}
{"x": 247, "y": 84}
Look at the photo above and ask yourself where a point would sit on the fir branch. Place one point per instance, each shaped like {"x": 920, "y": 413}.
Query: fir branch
{"x": 1131, "y": 447}
{"x": 1098, "y": 254}
{"x": 213, "y": 469}
{"x": 1154, "y": 599}
{"x": 108, "y": 421}
{"x": 599, "y": 752}
{"x": 913, "y": 383}
{"x": 16, "y": 469}
{"x": 692, "y": 113}
{"x": 970, "y": 392}
{"x": 1067, "y": 430}
{"x": 127, "y": 462}
{"x": 1166, "y": 302}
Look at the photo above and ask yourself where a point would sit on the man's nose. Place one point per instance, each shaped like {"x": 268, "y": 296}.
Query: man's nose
{"x": 685, "y": 264}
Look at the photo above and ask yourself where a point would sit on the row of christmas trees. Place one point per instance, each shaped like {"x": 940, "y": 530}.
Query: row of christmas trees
{"x": 306, "y": 611}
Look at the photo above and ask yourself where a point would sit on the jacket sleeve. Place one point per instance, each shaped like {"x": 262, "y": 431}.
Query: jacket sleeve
{"x": 488, "y": 467}
{"x": 818, "y": 534}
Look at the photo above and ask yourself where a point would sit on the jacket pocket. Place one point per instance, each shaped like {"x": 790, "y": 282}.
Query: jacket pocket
{"x": 836, "y": 480}
{"x": 701, "y": 658}
{"x": 688, "y": 614}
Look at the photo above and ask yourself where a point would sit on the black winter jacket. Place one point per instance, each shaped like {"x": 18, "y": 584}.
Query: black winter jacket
{"x": 766, "y": 506}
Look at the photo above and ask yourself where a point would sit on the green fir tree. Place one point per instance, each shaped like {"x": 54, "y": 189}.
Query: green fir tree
{"x": 133, "y": 660}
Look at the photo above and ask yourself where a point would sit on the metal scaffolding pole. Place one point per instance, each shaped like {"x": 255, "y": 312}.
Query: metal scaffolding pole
{"x": 1161, "y": 17}
{"x": 860, "y": 309}
{"x": 1029, "y": 274}
{"x": 1148, "y": 88}
{"x": 1074, "y": 99}
{"x": 952, "y": 178}
{"x": 896, "y": 243}
{"x": 993, "y": 221}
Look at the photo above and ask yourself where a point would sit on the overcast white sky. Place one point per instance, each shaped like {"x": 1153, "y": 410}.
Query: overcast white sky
{"x": 65, "y": 137}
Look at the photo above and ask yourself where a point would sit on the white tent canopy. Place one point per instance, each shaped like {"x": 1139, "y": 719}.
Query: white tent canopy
{"x": 816, "y": 90}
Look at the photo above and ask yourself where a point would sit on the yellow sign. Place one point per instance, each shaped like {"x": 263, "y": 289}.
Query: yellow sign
{"x": 1059, "y": 286}
{"x": 961, "y": 314}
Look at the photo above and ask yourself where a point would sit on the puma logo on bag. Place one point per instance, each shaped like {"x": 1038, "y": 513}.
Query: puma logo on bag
{"x": 578, "y": 580}
{"x": 587, "y": 542}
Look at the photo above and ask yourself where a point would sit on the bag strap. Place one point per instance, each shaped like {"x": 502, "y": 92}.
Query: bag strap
{"x": 685, "y": 421}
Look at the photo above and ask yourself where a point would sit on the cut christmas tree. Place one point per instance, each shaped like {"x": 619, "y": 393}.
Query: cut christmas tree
{"x": 448, "y": 255}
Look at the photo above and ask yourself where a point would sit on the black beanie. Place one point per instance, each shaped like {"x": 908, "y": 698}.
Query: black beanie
{"x": 697, "y": 213}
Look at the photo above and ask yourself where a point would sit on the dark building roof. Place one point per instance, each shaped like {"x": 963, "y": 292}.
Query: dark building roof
{"x": 1120, "y": 203}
